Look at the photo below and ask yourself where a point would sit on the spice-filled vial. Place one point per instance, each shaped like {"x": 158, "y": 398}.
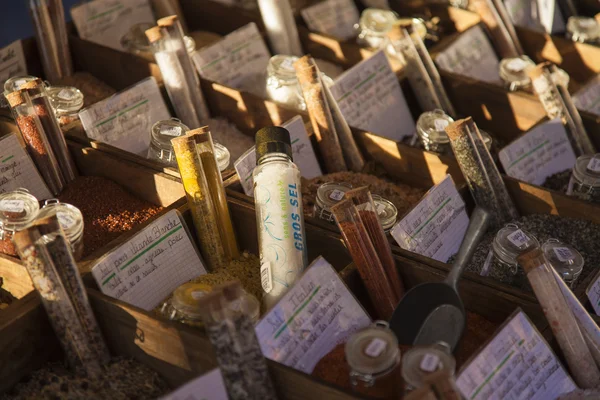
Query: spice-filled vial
{"x": 510, "y": 242}
{"x": 373, "y": 358}
{"x": 282, "y": 83}
{"x": 513, "y": 72}
{"x": 419, "y": 362}
{"x": 585, "y": 178}
{"x": 431, "y": 129}
{"x": 70, "y": 220}
{"x": 66, "y": 101}
{"x": 565, "y": 259}
{"x": 386, "y": 212}
{"x": 136, "y": 42}
{"x": 373, "y": 27}
{"x": 161, "y": 148}
{"x": 329, "y": 194}
{"x": 583, "y": 29}
{"x": 17, "y": 210}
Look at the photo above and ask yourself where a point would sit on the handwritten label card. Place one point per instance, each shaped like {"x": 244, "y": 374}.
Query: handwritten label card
{"x": 370, "y": 98}
{"x": 593, "y": 293}
{"x": 12, "y": 61}
{"x": 538, "y": 154}
{"x": 588, "y": 97}
{"x": 539, "y": 15}
{"x": 240, "y": 56}
{"x": 436, "y": 226}
{"x": 313, "y": 317}
{"x": 124, "y": 120}
{"x": 151, "y": 265}
{"x": 332, "y": 17}
{"x": 302, "y": 152}
{"x": 516, "y": 364}
{"x": 209, "y": 386}
{"x": 18, "y": 171}
{"x": 472, "y": 55}
{"x": 106, "y": 21}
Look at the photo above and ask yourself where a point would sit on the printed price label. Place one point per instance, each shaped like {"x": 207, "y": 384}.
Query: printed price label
{"x": 66, "y": 94}
{"x": 209, "y": 386}
{"x": 336, "y": 195}
{"x": 236, "y": 60}
{"x": 302, "y": 152}
{"x": 517, "y": 65}
{"x": 332, "y": 17}
{"x": 518, "y": 238}
{"x": 124, "y": 119}
{"x": 594, "y": 164}
{"x": 440, "y": 124}
{"x": 538, "y": 15}
{"x": 588, "y": 97}
{"x": 370, "y": 98}
{"x": 266, "y": 278}
{"x": 516, "y": 364}
{"x": 151, "y": 265}
{"x": 436, "y": 226}
{"x": 15, "y": 206}
{"x": 12, "y": 61}
{"x": 564, "y": 254}
{"x": 66, "y": 220}
{"x": 106, "y": 21}
{"x": 593, "y": 293}
{"x": 171, "y": 131}
{"x": 315, "y": 315}
{"x": 430, "y": 362}
{"x": 538, "y": 154}
{"x": 472, "y": 55}
{"x": 375, "y": 347}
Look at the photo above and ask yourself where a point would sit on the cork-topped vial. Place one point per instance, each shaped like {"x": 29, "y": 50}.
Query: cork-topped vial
{"x": 514, "y": 72}
{"x": 282, "y": 84}
{"x": 565, "y": 259}
{"x": 136, "y": 42}
{"x": 419, "y": 362}
{"x": 373, "y": 27}
{"x": 509, "y": 243}
{"x": 329, "y": 194}
{"x": 585, "y": 178}
{"x": 66, "y": 101}
{"x": 386, "y": 212}
{"x": 431, "y": 129}
{"x": 161, "y": 148}
{"x": 583, "y": 30}
{"x": 70, "y": 220}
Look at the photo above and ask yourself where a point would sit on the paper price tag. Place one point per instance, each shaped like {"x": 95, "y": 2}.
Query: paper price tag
{"x": 588, "y": 97}
{"x": 172, "y": 131}
{"x": 430, "y": 362}
{"x": 370, "y": 98}
{"x": 516, "y": 364}
{"x": 15, "y": 206}
{"x": 518, "y": 238}
{"x": 150, "y": 265}
{"x": 66, "y": 94}
{"x": 594, "y": 165}
{"x": 266, "y": 277}
{"x": 106, "y": 21}
{"x": 564, "y": 254}
{"x": 12, "y": 61}
{"x": 124, "y": 119}
{"x": 336, "y": 195}
{"x": 316, "y": 314}
{"x": 593, "y": 293}
{"x": 332, "y": 17}
{"x": 375, "y": 347}
{"x": 238, "y": 57}
{"x": 538, "y": 154}
{"x": 18, "y": 171}
{"x": 436, "y": 226}
{"x": 302, "y": 152}
{"x": 517, "y": 65}
{"x": 209, "y": 386}
{"x": 538, "y": 15}
{"x": 472, "y": 55}
{"x": 440, "y": 124}
{"x": 66, "y": 220}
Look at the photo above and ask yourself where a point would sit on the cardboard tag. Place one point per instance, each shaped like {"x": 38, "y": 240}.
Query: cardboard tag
{"x": 538, "y": 154}
{"x": 15, "y": 206}
{"x": 472, "y": 55}
{"x": 239, "y": 56}
{"x": 17, "y": 170}
{"x": 588, "y": 97}
{"x": 151, "y": 265}
{"x": 12, "y": 61}
{"x": 516, "y": 364}
{"x": 209, "y": 386}
{"x": 370, "y": 98}
{"x": 436, "y": 226}
{"x": 538, "y": 15}
{"x": 593, "y": 293}
{"x": 302, "y": 152}
{"x": 316, "y": 314}
{"x": 332, "y": 17}
{"x": 106, "y": 21}
{"x": 125, "y": 119}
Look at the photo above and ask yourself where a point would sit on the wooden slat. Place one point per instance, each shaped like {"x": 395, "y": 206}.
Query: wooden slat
{"x": 15, "y": 277}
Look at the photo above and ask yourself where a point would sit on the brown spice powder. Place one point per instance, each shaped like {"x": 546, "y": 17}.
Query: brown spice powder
{"x": 7, "y": 247}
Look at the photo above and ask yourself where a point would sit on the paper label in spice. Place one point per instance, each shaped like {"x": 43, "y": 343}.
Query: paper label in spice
{"x": 17, "y": 169}
{"x": 588, "y": 97}
{"x": 313, "y": 317}
{"x": 151, "y": 265}
{"x": 538, "y": 15}
{"x": 15, "y": 206}
{"x": 332, "y": 17}
{"x": 302, "y": 152}
{"x": 209, "y": 386}
{"x": 370, "y": 98}
{"x": 66, "y": 220}
{"x": 593, "y": 293}
{"x": 430, "y": 362}
{"x": 538, "y": 154}
{"x": 266, "y": 277}
{"x": 125, "y": 119}
{"x": 518, "y": 238}
{"x": 516, "y": 364}
{"x": 436, "y": 226}
{"x": 594, "y": 164}
{"x": 472, "y": 55}
{"x": 238, "y": 60}
{"x": 106, "y": 21}
{"x": 12, "y": 61}
{"x": 375, "y": 347}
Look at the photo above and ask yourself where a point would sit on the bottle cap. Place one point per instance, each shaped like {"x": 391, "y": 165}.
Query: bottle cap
{"x": 273, "y": 139}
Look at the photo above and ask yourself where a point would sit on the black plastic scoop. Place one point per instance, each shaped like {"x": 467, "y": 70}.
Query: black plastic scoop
{"x": 433, "y": 312}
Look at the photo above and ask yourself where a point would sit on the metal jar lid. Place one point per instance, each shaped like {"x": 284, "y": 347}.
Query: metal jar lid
{"x": 17, "y": 210}
{"x": 331, "y": 193}
{"x": 511, "y": 241}
{"x": 564, "y": 258}
{"x": 69, "y": 217}
{"x": 373, "y": 350}
{"x": 431, "y": 127}
{"x": 419, "y": 362}
{"x": 65, "y": 99}
{"x": 587, "y": 170}
{"x": 386, "y": 212}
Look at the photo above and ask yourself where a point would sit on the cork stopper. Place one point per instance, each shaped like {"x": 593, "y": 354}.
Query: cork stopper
{"x": 306, "y": 69}
{"x": 341, "y": 207}
{"x": 33, "y": 84}
{"x": 154, "y": 34}
{"x": 396, "y": 33}
{"x": 168, "y": 21}
{"x": 459, "y": 128}
{"x": 183, "y": 141}
{"x": 200, "y": 135}
{"x": 15, "y": 98}
{"x": 539, "y": 70}
{"x": 216, "y": 301}
{"x": 359, "y": 195}
{"x": 531, "y": 260}
{"x": 202, "y": 129}
{"x": 30, "y": 235}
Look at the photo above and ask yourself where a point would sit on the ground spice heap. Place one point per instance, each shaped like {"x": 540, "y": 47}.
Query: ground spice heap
{"x": 123, "y": 380}
{"x": 558, "y": 181}
{"x": 93, "y": 89}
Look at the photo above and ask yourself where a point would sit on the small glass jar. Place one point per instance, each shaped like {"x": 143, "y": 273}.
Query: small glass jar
{"x": 17, "y": 210}
{"x": 585, "y": 179}
{"x": 162, "y": 132}
{"x": 431, "y": 128}
{"x": 583, "y": 29}
{"x": 222, "y": 155}
{"x": 513, "y": 72}
{"x": 136, "y": 42}
{"x": 373, "y": 358}
{"x": 565, "y": 259}
{"x": 66, "y": 102}
{"x": 419, "y": 362}
{"x": 510, "y": 242}
{"x": 282, "y": 84}
{"x": 386, "y": 212}
{"x": 71, "y": 222}
{"x": 329, "y": 194}
{"x": 373, "y": 27}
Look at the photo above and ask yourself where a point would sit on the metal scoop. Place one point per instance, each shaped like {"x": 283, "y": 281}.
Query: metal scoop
{"x": 433, "y": 312}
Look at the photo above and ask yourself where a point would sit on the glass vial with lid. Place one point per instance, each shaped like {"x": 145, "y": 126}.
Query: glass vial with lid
{"x": 513, "y": 72}
{"x": 161, "y": 148}
{"x": 510, "y": 242}
{"x": 66, "y": 101}
{"x": 431, "y": 128}
{"x": 282, "y": 84}
{"x": 565, "y": 259}
{"x": 419, "y": 362}
{"x": 279, "y": 216}
{"x": 583, "y": 29}
{"x": 70, "y": 220}
{"x": 373, "y": 358}
{"x": 386, "y": 212}
{"x": 328, "y": 194}
{"x": 373, "y": 27}
{"x": 17, "y": 210}
{"x": 585, "y": 179}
